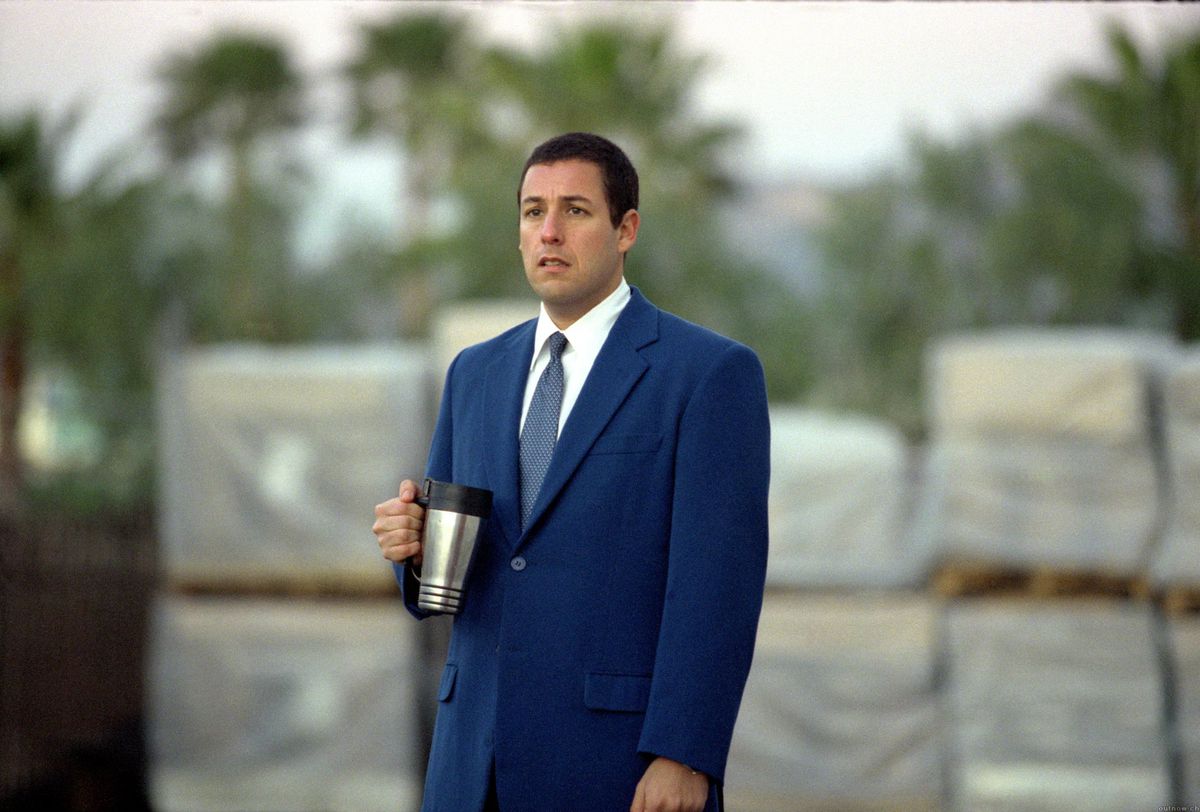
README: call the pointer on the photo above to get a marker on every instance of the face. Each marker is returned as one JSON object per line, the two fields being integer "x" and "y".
{"x": 573, "y": 256}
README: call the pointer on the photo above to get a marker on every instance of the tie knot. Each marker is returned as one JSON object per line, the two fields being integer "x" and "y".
{"x": 558, "y": 343}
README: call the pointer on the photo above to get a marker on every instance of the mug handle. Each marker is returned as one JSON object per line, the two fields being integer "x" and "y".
{"x": 423, "y": 497}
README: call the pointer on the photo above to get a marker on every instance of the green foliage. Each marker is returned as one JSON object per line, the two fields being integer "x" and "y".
{"x": 229, "y": 92}
{"x": 1050, "y": 219}
{"x": 411, "y": 81}
{"x": 227, "y": 99}
{"x": 81, "y": 299}
{"x": 93, "y": 275}
{"x": 29, "y": 156}
{"x": 1025, "y": 226}
{"x": 1066, "y": 242}
{"x": 1146, "y": 118}
{"x": 1087, "y": 214}
{"x": 466, "y": 127}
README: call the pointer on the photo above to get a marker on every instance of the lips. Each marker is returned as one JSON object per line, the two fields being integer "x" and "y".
{"x": 552, "y": 262}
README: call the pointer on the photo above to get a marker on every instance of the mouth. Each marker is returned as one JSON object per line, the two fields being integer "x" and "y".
{"x": 553, "y": 262}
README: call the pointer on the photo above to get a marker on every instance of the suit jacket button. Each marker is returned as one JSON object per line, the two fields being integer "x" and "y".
{"x": 517, "y": 563}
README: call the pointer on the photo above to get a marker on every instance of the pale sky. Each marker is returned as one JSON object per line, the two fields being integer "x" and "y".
{"x": 827, "y": 91}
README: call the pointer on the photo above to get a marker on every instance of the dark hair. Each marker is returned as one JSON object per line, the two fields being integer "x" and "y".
{"x": 620, "y": 178}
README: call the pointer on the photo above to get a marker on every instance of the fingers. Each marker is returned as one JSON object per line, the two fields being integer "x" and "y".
{"x": 399, "y": 537}
{"x": 639, "y": 797}
{"x": 398, "y": 523}
{"x": 668, "y": 786}
{"x": 396, "y": 506}
{"x": 401, "y": 526}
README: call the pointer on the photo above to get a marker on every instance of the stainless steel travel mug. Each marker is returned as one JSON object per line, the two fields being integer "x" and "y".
{"x": 454, "y": 519}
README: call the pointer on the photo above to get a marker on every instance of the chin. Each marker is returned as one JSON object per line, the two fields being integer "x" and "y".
{"x": 553, "y": 290}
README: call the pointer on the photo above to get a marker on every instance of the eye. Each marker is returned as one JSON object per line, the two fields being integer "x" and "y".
{"x": 533, "y": 212}
{"x": 576, "y": 210}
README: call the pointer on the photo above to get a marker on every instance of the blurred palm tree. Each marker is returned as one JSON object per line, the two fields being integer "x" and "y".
{"x": 1148, "y": 115}
{"x": 79, "y": 288}
{"x": 633, "y": 84}
{"x": 1026, "y": 225}
{"x": 230, "y": 98}
{"x": 464, "y": 117}
{"x": 636, "y": 86}
{"x": 415, "y": 81}
{"x": 1063, "y": 245}
{"x": 1088, "y": 217}
{"x": 30, "y": 154}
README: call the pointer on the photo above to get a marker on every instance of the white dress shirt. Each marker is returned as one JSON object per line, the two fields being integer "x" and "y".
{"x": 584, "y": 339}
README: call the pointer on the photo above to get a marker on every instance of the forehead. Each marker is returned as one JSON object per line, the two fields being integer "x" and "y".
{"x": 570, "y": 178}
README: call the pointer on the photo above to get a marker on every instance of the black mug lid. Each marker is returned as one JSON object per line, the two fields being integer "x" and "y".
{"x": 457, "y": 498}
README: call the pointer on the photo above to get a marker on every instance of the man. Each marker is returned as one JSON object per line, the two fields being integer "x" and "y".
{"x": 609, "y": 617}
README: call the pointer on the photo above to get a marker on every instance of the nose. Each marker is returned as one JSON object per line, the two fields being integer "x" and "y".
{"x": 551, "y": 231}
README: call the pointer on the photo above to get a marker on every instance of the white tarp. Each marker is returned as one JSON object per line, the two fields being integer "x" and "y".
{"x": 1185, "y": 654}
{"x": 458, "y": 325}
{"x": 1054, "y": 706}
{"x": 1039, "y": 383}
{"x": 273, "y": 459}
{"x": 840, "y": 709}
{"x": 1041, "y": 449}
{"x": 1178, "y": 556}
{"x": 839, "y": 495}
{"x": 282, "y": 705}
{"x": 1050, "y": 502}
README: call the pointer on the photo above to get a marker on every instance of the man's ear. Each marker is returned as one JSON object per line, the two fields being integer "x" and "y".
{"x": 627, "y": 230}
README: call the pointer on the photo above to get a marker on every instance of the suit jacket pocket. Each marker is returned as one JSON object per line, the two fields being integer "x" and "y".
{"x": 616, "y": 692}
{"x": 449, "y": 677}
{"x": 627, "y": 444}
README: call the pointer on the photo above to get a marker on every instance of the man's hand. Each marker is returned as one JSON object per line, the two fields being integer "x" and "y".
{"x": 398, "y": 524}
{"x": 668, "y": 786}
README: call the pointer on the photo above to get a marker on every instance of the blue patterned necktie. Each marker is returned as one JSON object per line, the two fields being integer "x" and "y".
{"x": 540, "y": 432}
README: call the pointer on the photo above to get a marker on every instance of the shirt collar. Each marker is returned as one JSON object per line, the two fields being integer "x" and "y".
{"x": 589, "y": 331}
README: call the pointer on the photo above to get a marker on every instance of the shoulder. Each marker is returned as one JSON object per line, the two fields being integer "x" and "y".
{"x": 684, "y": 344}
{"x": 689, "y": 360}
{"x": 678, "y": 332}
{"x": 665, "y": 333}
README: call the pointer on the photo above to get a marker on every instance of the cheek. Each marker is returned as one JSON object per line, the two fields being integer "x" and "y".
{"x": 591, "y": 246}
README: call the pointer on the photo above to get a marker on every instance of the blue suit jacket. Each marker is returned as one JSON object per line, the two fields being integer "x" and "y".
{"x": 620, "y": 624}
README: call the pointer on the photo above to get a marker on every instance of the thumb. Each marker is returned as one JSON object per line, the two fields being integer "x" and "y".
{"x": 408, "y": 491}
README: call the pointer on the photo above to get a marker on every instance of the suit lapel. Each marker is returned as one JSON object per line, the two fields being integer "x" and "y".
{"x": 503, "y": 390}
{"x": 617, "y": 368}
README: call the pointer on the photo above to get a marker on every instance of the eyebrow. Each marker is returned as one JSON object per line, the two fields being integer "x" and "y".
{"x": 564, "y": 198}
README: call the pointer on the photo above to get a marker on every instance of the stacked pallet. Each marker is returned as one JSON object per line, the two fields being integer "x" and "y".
{"x": 1054, "y": 705}
{"x": 841, "y": 708}
{"x": 838, "y": 504}
{"x": 1045, "y": 499}
{"x": 271, "y": 459}
{"x": 1042, "y": 451}
{"x": 1184, "y": 637}
{"x": 1176, "y": 565}
{"x": 266, "y": 704}
{"x": 283, "y": 669}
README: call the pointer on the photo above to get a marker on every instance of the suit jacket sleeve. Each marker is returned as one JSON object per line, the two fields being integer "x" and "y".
{"x": 439, "y": 466}
{"x": 716, "y": 566}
